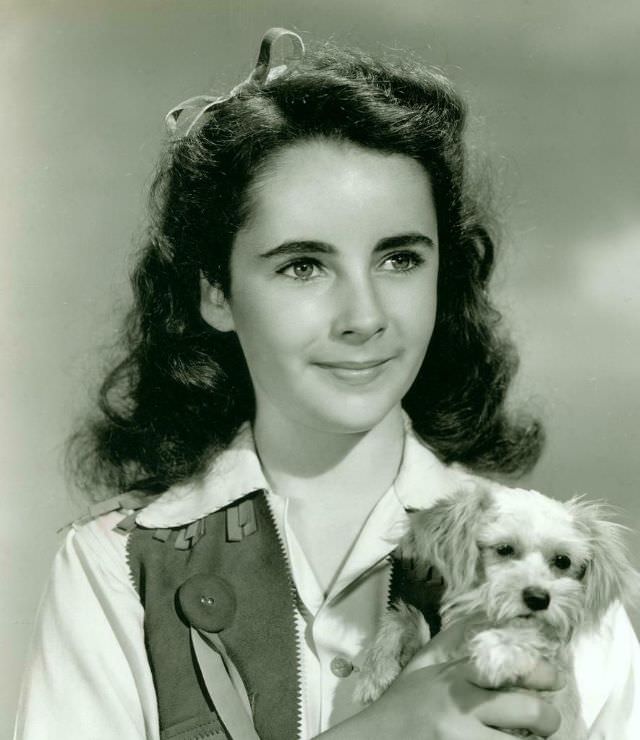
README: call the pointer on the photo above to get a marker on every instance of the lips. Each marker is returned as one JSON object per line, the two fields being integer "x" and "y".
{"x": 363, "y": 365}
{"x": 355, "y": 373}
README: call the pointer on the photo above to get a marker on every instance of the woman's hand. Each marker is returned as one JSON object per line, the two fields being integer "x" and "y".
{"x": 440, "y": 699}
{"x": 444, "y": 702}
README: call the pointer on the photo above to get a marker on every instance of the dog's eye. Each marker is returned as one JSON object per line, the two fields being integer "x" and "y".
{"x": 562, "y": 562}
{"x": 505, "y": 551}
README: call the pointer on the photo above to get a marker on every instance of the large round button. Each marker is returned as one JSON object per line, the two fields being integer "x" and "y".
{"x": 207, "y": 602}
{"x": 341, "y": 667}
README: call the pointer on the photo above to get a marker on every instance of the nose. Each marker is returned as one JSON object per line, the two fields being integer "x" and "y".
{"x": 359, "y": 310}
{"x": 537, "y": 599}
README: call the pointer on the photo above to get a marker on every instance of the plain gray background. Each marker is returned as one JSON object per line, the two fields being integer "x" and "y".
{"x": 554, "y": 93}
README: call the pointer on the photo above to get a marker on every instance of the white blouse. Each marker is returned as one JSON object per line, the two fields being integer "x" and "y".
{"x": 88, "y": 675}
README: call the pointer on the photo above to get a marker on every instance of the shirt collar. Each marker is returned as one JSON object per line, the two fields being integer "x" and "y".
{"x": 421, "y": 480}
{"x": 234, "y": 473}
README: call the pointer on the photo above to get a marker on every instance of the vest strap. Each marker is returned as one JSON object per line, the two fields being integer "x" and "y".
{"x": 224, "y": 683}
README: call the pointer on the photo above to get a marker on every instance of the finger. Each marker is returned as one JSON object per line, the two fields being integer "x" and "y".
{"x": 456, "y": 633}
{"x": 482, "y": 732}
{"x": 443, "y": 647}
{"x": 519, "y": 710}
{"x": 425, "y": 659}
{"x": 544, "y": 677}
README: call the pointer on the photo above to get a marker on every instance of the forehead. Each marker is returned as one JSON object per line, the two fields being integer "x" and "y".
{"x": 528, "y": 516}
{"x": 328, "y": 188}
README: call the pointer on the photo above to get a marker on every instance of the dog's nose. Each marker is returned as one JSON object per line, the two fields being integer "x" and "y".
{"x": 536, "y": 599}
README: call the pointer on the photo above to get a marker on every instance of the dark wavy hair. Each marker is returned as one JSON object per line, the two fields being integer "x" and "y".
{"x": 182, "y": 389}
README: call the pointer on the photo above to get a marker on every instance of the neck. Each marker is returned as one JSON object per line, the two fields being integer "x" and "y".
{"x": 300, "y": 462}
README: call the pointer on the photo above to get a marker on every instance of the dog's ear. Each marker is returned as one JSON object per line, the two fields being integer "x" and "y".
{"x": 608, "y": 575}
{"x": 445, "y": 535}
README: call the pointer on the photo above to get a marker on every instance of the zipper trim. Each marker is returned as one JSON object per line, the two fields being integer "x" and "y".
{"x": 392, "y": 572}
{"x": 296, "y": 622}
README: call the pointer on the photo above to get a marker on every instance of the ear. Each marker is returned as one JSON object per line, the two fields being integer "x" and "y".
{"x": 446, "y": 536}
{"x": 608, "y": 575}
{"x": 214, "y": 306}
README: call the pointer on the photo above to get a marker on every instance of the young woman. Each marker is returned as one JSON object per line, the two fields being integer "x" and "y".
{"x": 311, "y": 348}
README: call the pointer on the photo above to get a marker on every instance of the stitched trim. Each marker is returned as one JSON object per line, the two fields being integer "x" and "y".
{"x": 197, "y": 728}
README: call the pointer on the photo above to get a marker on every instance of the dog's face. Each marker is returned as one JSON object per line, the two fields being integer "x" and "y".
{"x": 513, "y": 555}
{"x": 532, "y": 560}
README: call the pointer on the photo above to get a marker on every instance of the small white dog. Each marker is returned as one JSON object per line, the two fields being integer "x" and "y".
{"x": 534, "y": 571}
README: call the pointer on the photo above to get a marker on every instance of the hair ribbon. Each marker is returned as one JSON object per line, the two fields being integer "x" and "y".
{"x": 183, "y": 118}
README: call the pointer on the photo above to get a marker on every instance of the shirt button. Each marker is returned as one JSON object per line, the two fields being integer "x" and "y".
{"x": 341, "y": 667}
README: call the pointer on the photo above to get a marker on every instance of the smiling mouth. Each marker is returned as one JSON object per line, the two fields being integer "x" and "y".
{"x": 353, "y": 365}
{"x": 355, "y": 373}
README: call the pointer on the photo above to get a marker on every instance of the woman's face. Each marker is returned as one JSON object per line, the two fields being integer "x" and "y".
{"x": 333, "y": 284}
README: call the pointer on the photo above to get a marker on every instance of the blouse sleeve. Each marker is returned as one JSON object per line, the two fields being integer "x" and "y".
{"x": 608, "y": 674}
{"x": 87, "y": 675}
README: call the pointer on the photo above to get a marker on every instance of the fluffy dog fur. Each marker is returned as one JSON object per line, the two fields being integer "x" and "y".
{"x": 533, "y": 570}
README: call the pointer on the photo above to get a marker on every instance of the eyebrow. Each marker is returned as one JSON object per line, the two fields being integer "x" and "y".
{"x": 292, "y": 248}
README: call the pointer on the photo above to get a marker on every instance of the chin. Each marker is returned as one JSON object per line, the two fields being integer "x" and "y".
{"x": 355, "y": 418}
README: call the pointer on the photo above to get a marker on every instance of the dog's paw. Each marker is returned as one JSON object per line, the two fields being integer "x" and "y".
{"x": 375, "y": 678}
{"x": 501, "y": 657}
{"x": 402, "y": 632}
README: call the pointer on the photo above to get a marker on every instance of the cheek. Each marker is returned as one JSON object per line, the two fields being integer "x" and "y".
{"x": 417, "y": 315}
{"x": 272, "y": 327}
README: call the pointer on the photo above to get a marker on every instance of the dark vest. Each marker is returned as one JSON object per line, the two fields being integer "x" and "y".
{"x": 229, "y": 574}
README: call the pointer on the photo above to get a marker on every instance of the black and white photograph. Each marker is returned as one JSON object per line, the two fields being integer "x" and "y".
{"x": 320, "y": 348}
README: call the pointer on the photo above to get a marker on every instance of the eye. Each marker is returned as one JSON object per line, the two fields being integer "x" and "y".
{"x": 562, "y": 562}
{"x": 404, "y": 261}
{"x": 301, "y": 269}
{"x": 505, "y": 551}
